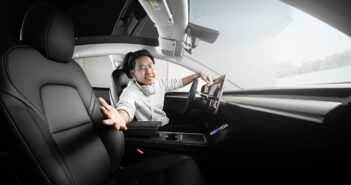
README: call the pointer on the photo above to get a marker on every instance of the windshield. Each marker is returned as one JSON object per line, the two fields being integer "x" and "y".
{"x": 266, "y": 44}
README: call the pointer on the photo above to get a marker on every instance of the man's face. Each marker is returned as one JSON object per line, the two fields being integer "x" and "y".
{"x": 144, "y": 70}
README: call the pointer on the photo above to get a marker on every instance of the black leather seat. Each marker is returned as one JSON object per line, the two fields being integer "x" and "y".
{"x": 120, "y": 80}
{"x": 52, "y": 117}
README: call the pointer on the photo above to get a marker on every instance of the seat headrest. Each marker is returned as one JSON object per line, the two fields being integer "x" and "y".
{"x": 49, "y": 30}
{"x": 120, "y": 79}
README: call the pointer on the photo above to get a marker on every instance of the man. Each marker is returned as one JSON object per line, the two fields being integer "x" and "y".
{"x": 143, "y": 98}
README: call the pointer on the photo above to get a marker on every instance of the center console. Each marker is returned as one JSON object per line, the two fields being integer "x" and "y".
{"x": 174, "y": 141}
{"x": 181, "y": 138}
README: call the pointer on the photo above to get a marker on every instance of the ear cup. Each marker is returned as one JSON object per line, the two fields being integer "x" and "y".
{"x": 148, "y": 89}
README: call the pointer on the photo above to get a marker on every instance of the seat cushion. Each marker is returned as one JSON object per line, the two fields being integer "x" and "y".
{"x": 162, "y": 170}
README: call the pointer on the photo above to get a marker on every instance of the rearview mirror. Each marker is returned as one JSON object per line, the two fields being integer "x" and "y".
{"x": 198, "y": 32}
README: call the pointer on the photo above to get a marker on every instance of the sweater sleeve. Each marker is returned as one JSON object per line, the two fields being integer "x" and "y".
{"x": 127, "y": 103}
{"x": 172, "y": 84}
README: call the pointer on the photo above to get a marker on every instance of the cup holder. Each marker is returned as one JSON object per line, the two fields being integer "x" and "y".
{"x": 180, "y": 137}
{"x": 171, "y": 137}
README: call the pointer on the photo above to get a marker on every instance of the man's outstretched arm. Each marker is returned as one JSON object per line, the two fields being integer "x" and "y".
{"x": 117, "y": 118}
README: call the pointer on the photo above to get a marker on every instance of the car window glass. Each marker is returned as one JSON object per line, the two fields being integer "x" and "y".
{"x": 265, "y": 44}
{"x": 98, "y": 69}
{"x": 168, "y": 70}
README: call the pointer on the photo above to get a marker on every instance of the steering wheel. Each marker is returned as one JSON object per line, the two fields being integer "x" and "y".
{"x": 191, "y": 96}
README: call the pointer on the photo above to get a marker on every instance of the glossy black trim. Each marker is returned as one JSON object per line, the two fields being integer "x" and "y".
{"x": 322, "y": 92}
{"x": 116, "y": 39}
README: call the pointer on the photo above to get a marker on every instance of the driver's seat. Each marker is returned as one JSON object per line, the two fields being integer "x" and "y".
{"x": 51, "y": 121}
{"x": 120, "y": 80}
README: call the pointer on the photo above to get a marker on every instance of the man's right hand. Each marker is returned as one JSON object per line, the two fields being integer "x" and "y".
{"x": 112, "y": 116}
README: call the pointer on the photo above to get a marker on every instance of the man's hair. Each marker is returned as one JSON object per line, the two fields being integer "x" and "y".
{"x": 125, "y": 64}
{"x": 137, "y": 54}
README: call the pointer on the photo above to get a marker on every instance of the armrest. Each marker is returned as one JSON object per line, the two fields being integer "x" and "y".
{"x": 142, "y": 128}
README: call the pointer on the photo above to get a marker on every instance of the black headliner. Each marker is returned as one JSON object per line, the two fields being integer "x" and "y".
{"x": 91, "y": 17}
{"x": 98, "y": 17}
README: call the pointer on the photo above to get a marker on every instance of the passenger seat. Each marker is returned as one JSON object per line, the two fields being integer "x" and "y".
{"x": 53, "y": 117}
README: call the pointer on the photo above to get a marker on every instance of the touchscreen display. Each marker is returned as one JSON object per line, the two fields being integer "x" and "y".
{"x": 215, "y": 93}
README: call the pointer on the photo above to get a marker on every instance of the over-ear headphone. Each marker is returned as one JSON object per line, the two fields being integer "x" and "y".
{"x": 148, "y": 89}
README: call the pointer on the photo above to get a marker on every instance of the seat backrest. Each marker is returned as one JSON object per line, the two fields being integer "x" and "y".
{"x": 49, "y": 107}
{"x": 120, "y": 79}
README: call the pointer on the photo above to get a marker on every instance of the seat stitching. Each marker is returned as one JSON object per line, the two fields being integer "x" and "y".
{"x": 47, "y": 32}
{"x": 73, "y": 127}
{"x": 24, "y": 99}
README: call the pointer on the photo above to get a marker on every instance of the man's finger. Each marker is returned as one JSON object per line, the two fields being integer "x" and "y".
{"x": 104, "y": 111}
{"x": 103, "y": 102}
{"x": 108, "y": 122}
{"x": 123, "y": 127}
{"x": 120, "y": 127}
{"x": 109, "y": 107}
{"x": 210, "y": 78}
{"x": 117, "y": 126}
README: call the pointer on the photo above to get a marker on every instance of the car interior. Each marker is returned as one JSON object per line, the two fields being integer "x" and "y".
{"x": 51, "y": 129}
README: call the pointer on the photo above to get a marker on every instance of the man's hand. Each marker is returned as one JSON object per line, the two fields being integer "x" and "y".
{"x": 112, "y": 116}
{"x": 205, "y": 77}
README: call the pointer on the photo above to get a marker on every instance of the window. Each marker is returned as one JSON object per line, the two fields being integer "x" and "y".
{"x": 99, "y": 69}
{"x": 170, "y": 70}
{"x": 265, "y": 44}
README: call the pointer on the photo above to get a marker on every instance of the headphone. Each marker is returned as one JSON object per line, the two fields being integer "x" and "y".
{"x": 148, "y": 89}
